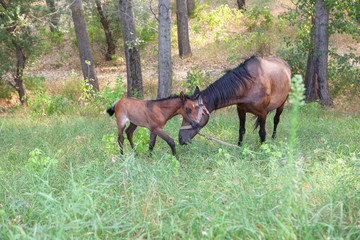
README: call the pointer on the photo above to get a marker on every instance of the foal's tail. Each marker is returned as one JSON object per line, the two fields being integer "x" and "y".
{"x": 111, "y": 110}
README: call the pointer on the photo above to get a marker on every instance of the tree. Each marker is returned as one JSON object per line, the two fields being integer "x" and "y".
{"x": 54, "y": 15}
{"x": 241, "y": 4}
{"x": 82, "y": 37}
{"x": 321, "y": 53}
{"x": 164, "y": 81}
{"x": 323, "y": 18}
{"x": 310, "y": 81}
{"x": 108, "y": 35}
{"x": 131, "y": 48}
{"x": 182, "y": 29}
{"x": 18, "y": 41}
{"x": 190, "y": 7}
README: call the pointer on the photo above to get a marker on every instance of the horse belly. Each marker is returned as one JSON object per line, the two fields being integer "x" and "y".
{"x": 139, "y": 118}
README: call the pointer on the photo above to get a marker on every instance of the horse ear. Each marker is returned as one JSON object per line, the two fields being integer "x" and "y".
{"x": 196, "y": 92}
{"x": 182, "y": 96}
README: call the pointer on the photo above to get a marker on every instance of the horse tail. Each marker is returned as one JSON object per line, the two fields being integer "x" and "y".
{"x": 257, "y": 123}
{"x": 111, "y": 110}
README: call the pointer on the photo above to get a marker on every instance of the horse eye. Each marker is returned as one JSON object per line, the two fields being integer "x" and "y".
{"x": 188, "y": 110}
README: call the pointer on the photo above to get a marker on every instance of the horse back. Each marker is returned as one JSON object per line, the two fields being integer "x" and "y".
{"x": 279, "y": 74}
{"x": 133, "y": 110}
{"x": 271, "y": 84}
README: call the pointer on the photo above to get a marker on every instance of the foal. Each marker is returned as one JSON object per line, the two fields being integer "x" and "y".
{"x": 152, "y": 114}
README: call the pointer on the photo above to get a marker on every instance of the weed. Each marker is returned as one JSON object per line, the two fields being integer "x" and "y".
{"x": 41, "y": 102}
{"x": 173, "y": 165}
{"x": 38, "y": 161}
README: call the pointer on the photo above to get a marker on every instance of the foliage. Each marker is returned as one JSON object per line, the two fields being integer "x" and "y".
{"x": 41, "y": 102}
{"x": 257, "y": 40}
{"x": 5, "y": 90}
{"x": 216, "y": 19}
{"x": 19, "y": 32}
{"x": 344, "y": 75}
{"x": 195, "y": 77}
{"x": 95, "y": 102}
{"x": 75, "y": 93}
{"x": 145, "y": 24}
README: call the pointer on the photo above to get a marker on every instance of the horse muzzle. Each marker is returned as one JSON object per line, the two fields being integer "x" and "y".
{"x": 183, "y": 141}
{"x": 195, "y": 125}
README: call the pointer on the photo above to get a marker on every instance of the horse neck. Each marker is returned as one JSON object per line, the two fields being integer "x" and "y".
{"x": 170, "y": 107}
{"x": 211, "y": 107}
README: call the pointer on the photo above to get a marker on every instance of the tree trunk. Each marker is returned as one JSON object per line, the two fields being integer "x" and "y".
{"x": 164, "y": 82}
{"x": 182, "y": 28}
{"x": 54, "y": 16}
{"x": 241, "y": 4}
{"x": 82, "y": 37}
{"x": 131, "y": 48}
{"x": 190, "y": 7}
{"x": 321, "y": 52}
{"x": 109, "y": 40}
{"x": 20, "y": 66}
{"x": 310, "y": 81}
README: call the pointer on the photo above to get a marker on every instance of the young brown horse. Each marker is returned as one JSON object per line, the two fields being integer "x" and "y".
{"x": 152, "y": 114}
{"x": 259, "y": 85}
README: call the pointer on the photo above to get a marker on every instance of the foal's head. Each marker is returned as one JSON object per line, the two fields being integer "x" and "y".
{"x": 187, "y": 110}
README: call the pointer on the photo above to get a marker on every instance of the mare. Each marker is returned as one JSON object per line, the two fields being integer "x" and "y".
{"x": 152, "y": 114}
{"x": 258, "y": 85}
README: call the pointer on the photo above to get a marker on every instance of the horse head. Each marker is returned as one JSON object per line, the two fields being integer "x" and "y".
{"x": 187, "y": 130}
{"x": 188, "y": 111}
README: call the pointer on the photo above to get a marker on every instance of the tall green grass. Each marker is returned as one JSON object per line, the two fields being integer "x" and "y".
{"x": 62, "y": 177}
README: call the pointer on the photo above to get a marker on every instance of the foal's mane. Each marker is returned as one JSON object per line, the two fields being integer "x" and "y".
{"x": 170, "y": 97}
{"x": 225, "y": 87}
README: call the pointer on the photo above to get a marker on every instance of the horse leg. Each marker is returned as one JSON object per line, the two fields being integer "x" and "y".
{"x": 121, "y": 135}
{"x": 160, "y": 132}
{"x": 277, "y": 119}
{"x": 129, "y": 133}
{"x": 152, "y": 141}
{"x": 242, "y": 118}
{"x": 261, "y": 121}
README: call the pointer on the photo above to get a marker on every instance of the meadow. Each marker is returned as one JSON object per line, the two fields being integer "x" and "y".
{"x": 62, "y": 177}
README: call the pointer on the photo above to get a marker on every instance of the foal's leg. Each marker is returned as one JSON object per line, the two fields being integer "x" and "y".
{"x": 277, "y": 119}
{"x": 160, "y": 132}
{"x": 152, "y": 141}
{"x": 242, "y": 118}
{"x": 121, "y": 127}
{"x": 129, "y": 133}
{"x": 262, "y": 132}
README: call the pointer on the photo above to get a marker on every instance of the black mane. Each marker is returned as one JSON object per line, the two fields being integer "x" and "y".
{"x": 225, "y": 87}
{"x": 170, "y": 97}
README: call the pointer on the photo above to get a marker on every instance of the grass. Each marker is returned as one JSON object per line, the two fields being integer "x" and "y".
{"x": 62, "y": 177}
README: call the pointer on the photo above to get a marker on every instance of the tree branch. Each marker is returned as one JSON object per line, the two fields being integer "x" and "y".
{"x": 12, "y": 85}
{"x": 152, "y": 11}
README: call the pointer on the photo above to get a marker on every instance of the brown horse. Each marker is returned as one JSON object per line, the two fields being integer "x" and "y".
{"x": 152, "y": 114}
{"x": 258, "y": 85}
